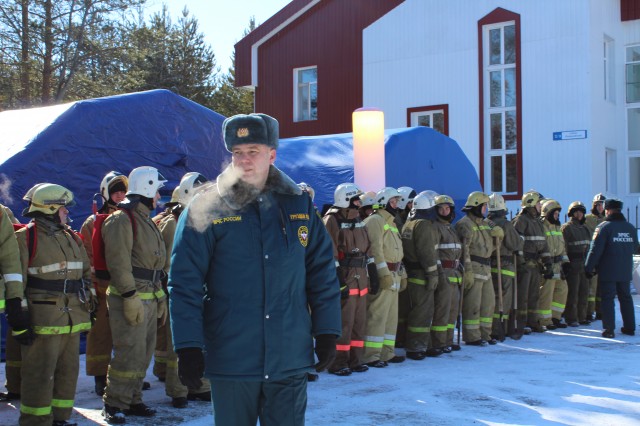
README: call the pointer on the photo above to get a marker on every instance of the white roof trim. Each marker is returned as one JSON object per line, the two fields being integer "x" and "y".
{"x": 257, "y": 44}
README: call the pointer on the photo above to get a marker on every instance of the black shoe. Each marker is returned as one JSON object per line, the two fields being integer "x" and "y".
{"x": 162, "y": 379}
{"x": 558, "y": 323}
{"x": 113, "y": 415}
{"x": 146, "y": 385}
{"x": 140, "y": 410}
{"x": 516, "y": 335}
{"x": 9, "y": 396}
{"x": 477, "y": 343}
{"x": 377, "y": 364}
{"x": 455, "y": 347}
{"x": 417, "y": 356}
{"x": 526, "y": 331}
{"x": 609, "y": 334}
{"x": 551, "y": 326}
{"x": 179, "y": 402}
{"x": 627, "y": 331}
{"x": 492, "y": 341}
{"x": 598, "y": 316}
{"x": 63, "y": 423}
{"x": 585, "y": 322}
{"x": 397, "y": 359}
{"x": 346, "y": 371}
{"x": 539, "y": 328}
{"x": 447, "y": 349}
{"x": 101, "y": 384}
{"x": 574, "y": 324}
{"x": 311, "y": 377}
{"x": 360, "y": 368}
{"x": 434, "y": 352}
{"x": 202, "y": 396}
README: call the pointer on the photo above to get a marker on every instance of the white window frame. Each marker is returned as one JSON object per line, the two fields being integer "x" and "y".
{"x": 417, "y": 114}
{"x": 296, "y": 101}
{"x": 611, "y": 170}
{"x": 488, "y": 110}
{"x": 630, "y": 153}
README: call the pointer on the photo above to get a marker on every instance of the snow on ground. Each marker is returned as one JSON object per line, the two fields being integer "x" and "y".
{"x": 571, "y": 376}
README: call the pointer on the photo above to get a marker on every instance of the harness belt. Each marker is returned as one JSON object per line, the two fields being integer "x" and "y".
{"x": 481, "y": 260}
{"x": 354, "y": 262}
{"x": 450, "y": 264}
{"x": 153, "y": 275}
{"x": 62, "y": 286}
{"x": 394, "y": 267}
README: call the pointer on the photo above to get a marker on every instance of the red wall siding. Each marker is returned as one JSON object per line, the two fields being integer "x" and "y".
{"x": 328, "y": 36}
{"x": 629, "y": 10}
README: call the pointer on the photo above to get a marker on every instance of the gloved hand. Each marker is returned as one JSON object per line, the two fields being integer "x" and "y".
{"x": 133, "y": 309}
{"x": 548, "y": 271}
{"x": 19, "y": 321}
{"x": 566, "y": 268}
{"x": 374, "y": 281}
{"x": 190, "y": 367}
{"x": 386, "y": 282}
{"x": 344, "y": 292}
{"x": 93, "y": 317}
{"x": 468, "y": 279}
{"x": 403, "y": 284}
{"x": 590, "y": 274}
{"x": 432, "y": 282}
{"x": 497, "y": 232}
{"x": 325, "y": 350}
{"x": 162, "y": 311}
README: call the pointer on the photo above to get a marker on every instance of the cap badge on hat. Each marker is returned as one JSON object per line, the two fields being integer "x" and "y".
{"x": 243, "y": 132}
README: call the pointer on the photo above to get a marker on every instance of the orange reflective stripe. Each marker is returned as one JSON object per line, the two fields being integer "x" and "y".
{"x": 357, "y": 343}
{"x": 364, "y": 292}
{"x": 353, "y": 292}
{"x": 345, "y": 348}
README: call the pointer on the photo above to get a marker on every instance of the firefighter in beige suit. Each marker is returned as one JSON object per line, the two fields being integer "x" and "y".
{"x": 99, "y": 343}
{"x": 554, "y": 290}
{"x": 477, "y": 234}
{"x": 136, "y": 256}
{"x": 11, "y": 291}
{"x": 166, "y": 222}
{"x": 382, "y": 308}
{"x": 593, "y": 219}
{"x": 59, "y": 299}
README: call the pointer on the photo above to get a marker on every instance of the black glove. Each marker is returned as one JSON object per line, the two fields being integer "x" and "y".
{"x": 548, "y": 271}
{"x": 344, "y": 292}
{"x": 374, "y": 282}
{"x": 590, "y": 274}
{"x": 19, "y": 321}
{"x": 566, "y": 268}
{"x": 190, "y": 367}
{"x": 344, "y": 288}
{"x": 325, "y": 350}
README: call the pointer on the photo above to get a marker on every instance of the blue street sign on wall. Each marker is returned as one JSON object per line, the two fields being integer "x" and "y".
{"x": 569, "y": 134}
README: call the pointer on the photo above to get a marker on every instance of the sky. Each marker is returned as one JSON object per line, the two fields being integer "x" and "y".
{"x": 221, "y": 21}
{"x": 569, "y": 376}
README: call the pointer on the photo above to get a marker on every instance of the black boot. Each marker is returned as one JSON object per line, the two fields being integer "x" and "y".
{"x": 179, "y": 402}
{"x": 101, "y": 384}
{"x": 113, "y": 415}
{"x": 140, "y": 410}
{"x": 9, "y": 396}
{"x": 202, "y": 396}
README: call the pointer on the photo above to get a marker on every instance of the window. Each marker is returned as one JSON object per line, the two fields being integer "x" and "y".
{"x": 632, "y": 84}
{"x": 500, "y": 109}
{"x": 305, "y": 102}
{"x": 435, "y": 116}
{"x": 632, "y": 69}
{"x": 611, "y": 171}
{"x": 609, "y": 69}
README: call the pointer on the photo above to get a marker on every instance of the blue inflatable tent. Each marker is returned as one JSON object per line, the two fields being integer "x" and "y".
{"x": 418, "y": 157}
{"x": 76, "y": 144}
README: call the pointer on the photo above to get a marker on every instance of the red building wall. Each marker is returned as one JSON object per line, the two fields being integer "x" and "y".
{"x": 328, "y": 36}
{"x": 629, "y": 10}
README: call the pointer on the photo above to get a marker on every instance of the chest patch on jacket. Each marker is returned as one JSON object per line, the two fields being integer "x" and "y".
{"x": 303, "y": 235}
{"x": 227, "y": 219}
{"x": 298, "y": 216}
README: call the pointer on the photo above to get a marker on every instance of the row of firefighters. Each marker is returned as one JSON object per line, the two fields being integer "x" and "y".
{"x": 407, "y": 277}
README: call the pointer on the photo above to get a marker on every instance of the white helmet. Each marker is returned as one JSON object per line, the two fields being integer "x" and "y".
{"x": 110, "y": 179}
{"x": 145, "y": 181}
{"x": 424, "y": 200}
{"x": 367, "y": 199}
{"x": 188, "y": 185}
{"x": 385, "y": 194}
{"x": 305, "y": 187}
{"x": 407, "y": 194}
{"x": 344, "y": 193}
{"x": 496, "y": 203}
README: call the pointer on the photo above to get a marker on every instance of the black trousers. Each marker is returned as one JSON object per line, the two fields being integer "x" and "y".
{"x": 275, "y": 403}
{"x": 608, "y": 290}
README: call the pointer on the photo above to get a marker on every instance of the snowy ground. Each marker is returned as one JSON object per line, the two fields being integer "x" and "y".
{"x": 572, "y": 377}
